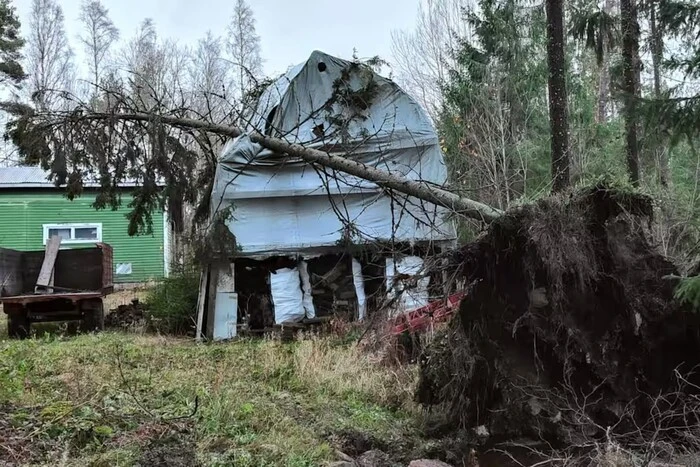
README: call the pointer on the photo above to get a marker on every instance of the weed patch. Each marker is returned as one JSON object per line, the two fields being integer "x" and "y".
{"x": 126, "y": 399}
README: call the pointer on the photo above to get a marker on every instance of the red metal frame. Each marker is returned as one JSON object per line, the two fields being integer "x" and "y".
{"x": 420, "y": 318}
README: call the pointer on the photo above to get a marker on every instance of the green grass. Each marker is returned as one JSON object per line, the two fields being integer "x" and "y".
{"x": 111, "y": 399}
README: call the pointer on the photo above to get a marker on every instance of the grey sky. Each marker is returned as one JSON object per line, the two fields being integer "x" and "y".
{"x": 289, "y": 29}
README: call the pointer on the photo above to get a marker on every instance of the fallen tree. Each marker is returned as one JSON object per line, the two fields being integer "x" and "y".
{"x": 569, "y": 332}
{"x": 419, "y": 189}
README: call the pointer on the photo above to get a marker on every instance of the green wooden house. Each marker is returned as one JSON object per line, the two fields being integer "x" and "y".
{"x": 32, "y": 209}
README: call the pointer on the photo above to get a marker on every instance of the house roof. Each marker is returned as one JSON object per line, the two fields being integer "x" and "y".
{"x": 36, "y": 177}
{"x": 26, "y": 177}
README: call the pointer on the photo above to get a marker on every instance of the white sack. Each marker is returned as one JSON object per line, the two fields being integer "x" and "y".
{"x": 359, "y": 281}
{"x": 287, "y": 296}
{"x": 307, "y": 300}
{"x": 409, "y": 297}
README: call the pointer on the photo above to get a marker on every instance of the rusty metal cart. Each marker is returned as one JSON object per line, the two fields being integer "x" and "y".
{"x": 55, "y": 285}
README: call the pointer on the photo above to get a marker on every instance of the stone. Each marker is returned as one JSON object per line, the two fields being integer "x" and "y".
{"x": 374, "y": 458}
{"x": 428, "y": 463}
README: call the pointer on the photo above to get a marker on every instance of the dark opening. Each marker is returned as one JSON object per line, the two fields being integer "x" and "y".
{"x": 322, "y": 67}
{"x": 332, "y": 286}
{"x": 255, "y": 309}
{"x": 268, "y": 121}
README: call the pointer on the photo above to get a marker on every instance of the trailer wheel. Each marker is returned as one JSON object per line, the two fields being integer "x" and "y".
{"x": 17, "y": 321}
{"x": 93, "y": 315}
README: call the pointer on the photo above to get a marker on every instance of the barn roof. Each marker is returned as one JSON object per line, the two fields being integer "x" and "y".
{"x": 282, "y": 204}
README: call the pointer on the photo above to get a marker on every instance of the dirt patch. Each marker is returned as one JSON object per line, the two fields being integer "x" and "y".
{"x": 569, "y": 331}
{"x": 354, "y": 443}
{"x": 169, "y": 452}
{"x": 127, "y": 316}
{"x": 19, "y": 440}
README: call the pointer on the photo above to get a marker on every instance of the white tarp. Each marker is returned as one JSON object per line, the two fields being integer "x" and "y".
{"x": 359, "y": 282}
{"x": 287, "y": 296}
{"x": 283, "y": 205}
{"x": 408, "y": 297}
{"x": 307, "y": 301}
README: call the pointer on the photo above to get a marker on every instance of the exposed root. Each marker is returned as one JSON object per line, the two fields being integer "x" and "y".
{"x": 569, "y": 332}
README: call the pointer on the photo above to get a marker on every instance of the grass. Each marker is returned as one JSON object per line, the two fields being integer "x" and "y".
{"x": 121, "y": 399}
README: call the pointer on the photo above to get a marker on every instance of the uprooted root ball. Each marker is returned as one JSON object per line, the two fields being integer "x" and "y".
{"x": 569, "y": 329}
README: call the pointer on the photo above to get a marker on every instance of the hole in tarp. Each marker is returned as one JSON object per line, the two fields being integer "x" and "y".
{"x": 322, "y": 67}
{"x": 268, "y": 120}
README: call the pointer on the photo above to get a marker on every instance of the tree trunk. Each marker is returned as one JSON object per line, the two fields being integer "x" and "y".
{"x": 604, "y": 73}
{"x": 558, "y": 113}
{"x": 419, "y": 189}
{"x": 657, "y": 47}
{"x": 630, "y": 62}
{"x": 603, "y": 89}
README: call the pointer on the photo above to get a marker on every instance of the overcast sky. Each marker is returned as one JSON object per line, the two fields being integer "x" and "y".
{"x": 289, "y": 29}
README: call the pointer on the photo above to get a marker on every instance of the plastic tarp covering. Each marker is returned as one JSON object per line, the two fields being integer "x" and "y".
{"x": 307, "y": 301}
{"x": 284, "y": 205}
{"x": 287, "y": 296}
{"x": 359, "y": 282}
{"x": 409, "y": 297}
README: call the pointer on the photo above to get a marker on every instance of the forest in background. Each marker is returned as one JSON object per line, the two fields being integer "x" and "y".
{"x": 479, "y": 67}
{"x": 481, "y": 70}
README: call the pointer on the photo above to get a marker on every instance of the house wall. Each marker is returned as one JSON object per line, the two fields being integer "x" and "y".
{"x": 23, "y": 214}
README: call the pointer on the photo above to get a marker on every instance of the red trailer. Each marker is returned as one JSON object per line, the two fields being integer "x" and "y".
{"x": 68, "y": 286}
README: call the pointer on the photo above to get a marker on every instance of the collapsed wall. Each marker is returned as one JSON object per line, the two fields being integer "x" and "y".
{"x": 569, "y": 328}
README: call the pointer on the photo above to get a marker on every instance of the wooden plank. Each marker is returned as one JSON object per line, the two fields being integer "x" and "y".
{"x": 201, "y": 299}
{"x": 46, "y": 273}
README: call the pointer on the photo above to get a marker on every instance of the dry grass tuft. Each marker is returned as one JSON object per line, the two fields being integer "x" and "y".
{"x": 349, "y": 369}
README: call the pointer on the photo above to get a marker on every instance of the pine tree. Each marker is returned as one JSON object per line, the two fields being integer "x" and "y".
{"x": 10, "y": 45}
{"x": 630, "y": 59}
{"x": 558, "y": 108}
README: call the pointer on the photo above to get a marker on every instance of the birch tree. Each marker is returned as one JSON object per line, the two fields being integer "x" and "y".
{"x": 49, "y": 55}
{"x": 243, "y": 45}
{"x": 99, "y": 34}
{"x": 210, "y": 79}
{"x": 424, "y": 56}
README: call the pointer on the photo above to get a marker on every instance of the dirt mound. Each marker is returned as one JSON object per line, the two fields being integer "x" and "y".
{"x": 126, "y": 316}
{"x": 569, "y": 330}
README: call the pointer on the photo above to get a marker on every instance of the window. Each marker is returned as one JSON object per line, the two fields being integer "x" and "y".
{"x": 74, "y": 233}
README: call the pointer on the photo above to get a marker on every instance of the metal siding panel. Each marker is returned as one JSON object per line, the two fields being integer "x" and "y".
{"x": 23, "y": 214}
{"x": 12, "y": 223}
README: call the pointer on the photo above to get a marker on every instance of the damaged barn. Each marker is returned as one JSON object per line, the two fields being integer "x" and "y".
{"x": 313, "y": 242}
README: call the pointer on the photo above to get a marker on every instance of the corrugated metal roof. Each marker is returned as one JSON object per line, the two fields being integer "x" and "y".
{"x": 35, "y": 177}
{"x": 29, "y": 177}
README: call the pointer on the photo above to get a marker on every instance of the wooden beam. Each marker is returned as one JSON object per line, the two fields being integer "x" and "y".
{"x": 45, "y": 279}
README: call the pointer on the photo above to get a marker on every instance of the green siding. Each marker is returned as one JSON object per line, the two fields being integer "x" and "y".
{"x": 22, "y": 215}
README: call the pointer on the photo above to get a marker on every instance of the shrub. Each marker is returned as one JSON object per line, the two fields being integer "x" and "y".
{"x": 688, "y": 292}
{"x": 172, "y": 303}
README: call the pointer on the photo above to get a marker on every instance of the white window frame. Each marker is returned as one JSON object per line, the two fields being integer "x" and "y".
{"x": 72, "y": 228}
